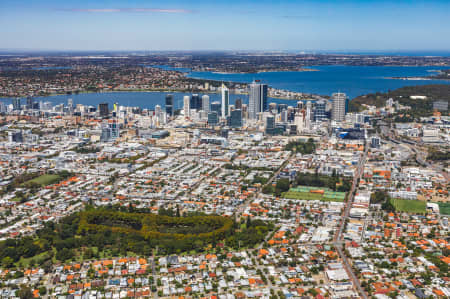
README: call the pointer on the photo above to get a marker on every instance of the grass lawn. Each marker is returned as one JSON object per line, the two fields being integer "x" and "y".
{"x": 25, "y": 262}
{"x": 444, "y": 208}
{"x": 308, "y": 196}
{"x": 409, "y": 206}
{"x": 44, "y": 180}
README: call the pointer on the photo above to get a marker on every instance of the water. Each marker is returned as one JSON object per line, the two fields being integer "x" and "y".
{"x": 134, "y": 99}
{"x": 353, "y": 80}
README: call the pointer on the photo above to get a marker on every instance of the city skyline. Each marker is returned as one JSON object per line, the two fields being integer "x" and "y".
{"x": 237, "y": 25}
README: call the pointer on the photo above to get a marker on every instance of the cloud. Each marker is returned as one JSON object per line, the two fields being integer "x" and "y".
{"x": 118, "y": 10}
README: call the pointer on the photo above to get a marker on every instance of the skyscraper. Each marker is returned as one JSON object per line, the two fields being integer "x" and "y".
{"x": 213, "y": 118}
{"x": 103, "y": 109}
{"x": 205, "y": 103}
{"x": 319, "y": 110}
{"x": 238, "y": 104}
{"x": 299, "y": 120}
{"x": 257, "y": 99}
{"x": 158, "y": 110}
{"x": 235, "y": 118}
{"x": 282, "y": 107}
{"x": 338, "y": 110}
{"x": 169, "y": 104}
{"x": 30, "y": 103}
{"x": 186, "y": 106}
{"x": 196, "y": 102}
{"x": 215, "y": 106}
{"x": 225, "y": 101}
{"x": 270, "y": 124}
{"x": 70, "y": 106}
{"x": 16, "y": 104}
{"x": 308, "y": 116}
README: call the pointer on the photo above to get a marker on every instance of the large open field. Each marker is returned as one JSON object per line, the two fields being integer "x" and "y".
{"x": 444, "y": 208}
{"x": 409, "y": 206}
{"x": 44, "y": 180}
{"x": 314, "y": 193}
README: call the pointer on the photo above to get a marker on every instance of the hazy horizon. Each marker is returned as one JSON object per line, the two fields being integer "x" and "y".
{"x": 5, "y": 51}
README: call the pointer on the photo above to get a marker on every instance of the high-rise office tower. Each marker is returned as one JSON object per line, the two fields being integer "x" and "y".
{"x": 70, "y": 106}
{"x": 30, "y": 102}
{"x": 284, "y": 115}
{"x": 270, "y": 124}
{"x": 46, "y": 106}
{"x": 186, "y": 106}
{"x": 257, "y": 99}
{"x": 308, "y": 116}
{"x": 213, "y": 118}
{"x": 196, "y": 102}
{"x": 235, "y": 118}
{"x": 225, "y": 101}
{"x": 169, "y": 104}
{"x": 299, "y": 121}
{"x": 103, "y": 109}
{"x": 238, "y": 104}
{"x": 16, "y": 104}
{"x": 320, "y": 110}
{"x": 114, "y": 129}
{"x": 338, "y": 110}
{"x": 70, "y": 103}
{"x": 282, "y": 107}
{"x": 158, "y": 110}
{"x": 215, "y": 106}
{"x": 160, "y": 118}
{"x": 205, "y": 103}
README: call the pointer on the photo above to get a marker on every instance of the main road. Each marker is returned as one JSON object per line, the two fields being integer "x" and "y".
{"x": 338, "y": 239}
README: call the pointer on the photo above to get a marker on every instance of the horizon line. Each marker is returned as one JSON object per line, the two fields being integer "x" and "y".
{"x": 216, "y": 50}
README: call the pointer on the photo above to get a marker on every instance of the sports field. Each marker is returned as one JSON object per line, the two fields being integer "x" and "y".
{"x": 444, "y": 208}
{"x": 45, "y": 179}
{"x": 409, "y": 206}
{"x": 314, "y": 193}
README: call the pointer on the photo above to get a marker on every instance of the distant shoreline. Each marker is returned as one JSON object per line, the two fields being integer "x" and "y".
{"x": 143, "y": 91}
{"x": 266, "y": 71}
{"x": 426, "y": 78}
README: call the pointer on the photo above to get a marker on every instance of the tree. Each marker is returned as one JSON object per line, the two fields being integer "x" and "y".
{"x": 268, "y": 189}
{"x": 378, "y": 197}
{"x": 64, "y": 254}
{"x": 7, "y": 262}
{"x": 282, "y": 186}
{"x": 25, "y": 292}
{"x": 249, "y": 222}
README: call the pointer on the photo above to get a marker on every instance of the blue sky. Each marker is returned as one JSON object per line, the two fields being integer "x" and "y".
{"x": 225, "y": 25}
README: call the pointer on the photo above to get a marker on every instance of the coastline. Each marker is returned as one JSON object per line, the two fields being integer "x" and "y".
{"x": 267, "y": 71}
{"x": 199, "y": 81}
{"x": 141, "y": 91}
{"x": 430, "y": 78}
